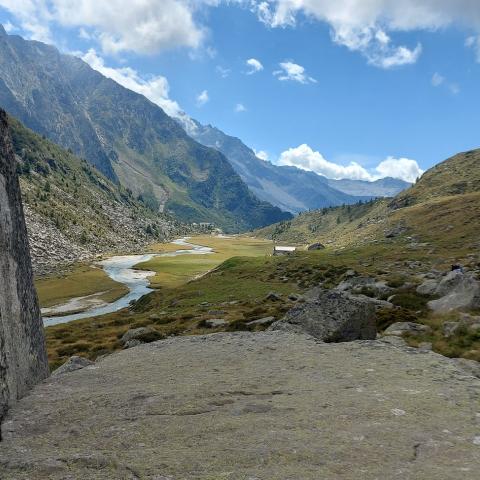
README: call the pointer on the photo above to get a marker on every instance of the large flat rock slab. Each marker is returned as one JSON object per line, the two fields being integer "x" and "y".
{"x": 245, "y": 406}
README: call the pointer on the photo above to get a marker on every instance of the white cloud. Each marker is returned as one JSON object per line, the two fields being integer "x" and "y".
{"x": 240, "y": 107}
{"x": 254, "y": 66}
{"x": 156, "y": 88}
{"x": 149, "y": 26}
{"x": 33, "y": 17}
{"x": 402, "y": 168}
{"x": 202, "y": 98}
{"x": 290, "y": 71}
{"x": 141, "y": 26}
{"x": 223, "y": 72}
{"x": 473, "y": 42}
{"x": 437, "y": 79}
{"x": 9, "y": 27}
{"x": 364, "y": 25}
{"x": 262, "y": 155}
{"x": 306, "y": 158}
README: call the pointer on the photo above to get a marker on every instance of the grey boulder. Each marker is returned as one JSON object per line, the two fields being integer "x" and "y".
{"x": 428, "y": 287}
{"x": 72, "y": 364}
{"x": 262, "y": 321}
{"x": 316, "y": 246}
{"x": 400, "y": 328}
{"x": 457, "y": 291}
{"x": 331, "y": 316}
{"x": 215, "y": 322}
{"x": 142, "y": 335}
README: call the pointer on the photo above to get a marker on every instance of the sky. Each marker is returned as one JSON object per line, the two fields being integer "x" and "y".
{"x": 358, "y": 89}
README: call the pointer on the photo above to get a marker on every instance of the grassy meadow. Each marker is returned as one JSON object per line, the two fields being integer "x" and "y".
{"x": 172, "y": 272}
{"x": 235, "y": 288}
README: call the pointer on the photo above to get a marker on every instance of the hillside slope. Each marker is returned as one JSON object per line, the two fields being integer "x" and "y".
{"x": 437, "y": 216}
{"x": 73, "y": 211}
{"x": 457, "y": 175}
{"x": 125, "y": 136}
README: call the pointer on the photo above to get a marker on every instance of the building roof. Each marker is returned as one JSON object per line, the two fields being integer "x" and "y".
{"x": 284, "y": 249}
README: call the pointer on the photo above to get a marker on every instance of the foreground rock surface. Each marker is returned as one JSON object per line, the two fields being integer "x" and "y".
{"x": 331, "y": 316}
{"x": 241, "y": 406}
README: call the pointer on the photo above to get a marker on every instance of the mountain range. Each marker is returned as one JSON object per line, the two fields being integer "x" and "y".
{"x": 128, "y": 138}
{"x": 198, "y": 174}
{"x": 290, "y": 188}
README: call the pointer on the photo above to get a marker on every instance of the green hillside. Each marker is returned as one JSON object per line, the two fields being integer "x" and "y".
{"x": 73, "y": 210}
{"x": 441, "y": 209}
{"x": 456, "y": 176}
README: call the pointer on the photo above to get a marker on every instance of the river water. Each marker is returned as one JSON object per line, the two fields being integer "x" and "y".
{"x": 120, "y": 269}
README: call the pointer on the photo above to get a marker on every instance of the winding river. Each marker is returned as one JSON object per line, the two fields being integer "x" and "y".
{"x": 121, "y": 269}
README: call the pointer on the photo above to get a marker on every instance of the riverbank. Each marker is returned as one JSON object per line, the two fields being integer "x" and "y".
{"x": 77, "y": 282}
{"x": 104, "y": 287}
{"x": 174, "y": 272}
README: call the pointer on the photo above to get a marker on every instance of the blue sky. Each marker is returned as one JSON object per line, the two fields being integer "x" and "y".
{"x": 378, "y": 83}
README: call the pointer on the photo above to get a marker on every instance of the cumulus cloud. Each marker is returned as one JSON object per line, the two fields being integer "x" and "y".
{"x": 290, "y": 71}
{"x": 146, "y": 26}
{"x": 149, "y": 26}
{"x": 254, "y": 66}
{"x": 306, "y": 158}
{"x": 240, "y": 107}
{"x": 262, "y": 155}
{"x": 155, "y": 88}
{"x": 402, "y": 168}
{"x": 364, "y": 26}
{"x": 202, "y": 98}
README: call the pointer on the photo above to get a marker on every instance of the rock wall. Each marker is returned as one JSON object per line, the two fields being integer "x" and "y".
{"x": 23, "y": 358}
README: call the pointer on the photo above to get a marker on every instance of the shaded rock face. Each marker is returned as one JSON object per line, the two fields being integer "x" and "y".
{"x": 331, "y": 316}
{"x": 23, "y": 359}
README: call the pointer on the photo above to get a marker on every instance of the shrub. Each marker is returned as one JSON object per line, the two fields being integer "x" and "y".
{"x": 411, "y": 301}
{"x": 73, "y": 349}
{"x": 388, "y": 316}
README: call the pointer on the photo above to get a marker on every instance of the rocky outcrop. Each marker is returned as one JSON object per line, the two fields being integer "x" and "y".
{"x": 458, "y": 291}
{"x": 244, "y": 406}
{"x": 23, "y": 359}
{"x": 316, "y": 246}
{"x": 73, "y": 364}
{"x": 331, "y": 316}
{"x": 400, "y": 328}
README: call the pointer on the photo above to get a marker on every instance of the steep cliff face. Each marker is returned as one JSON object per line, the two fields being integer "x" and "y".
{"x": 23, "y": 359}
{"x": 127, "y": 137}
